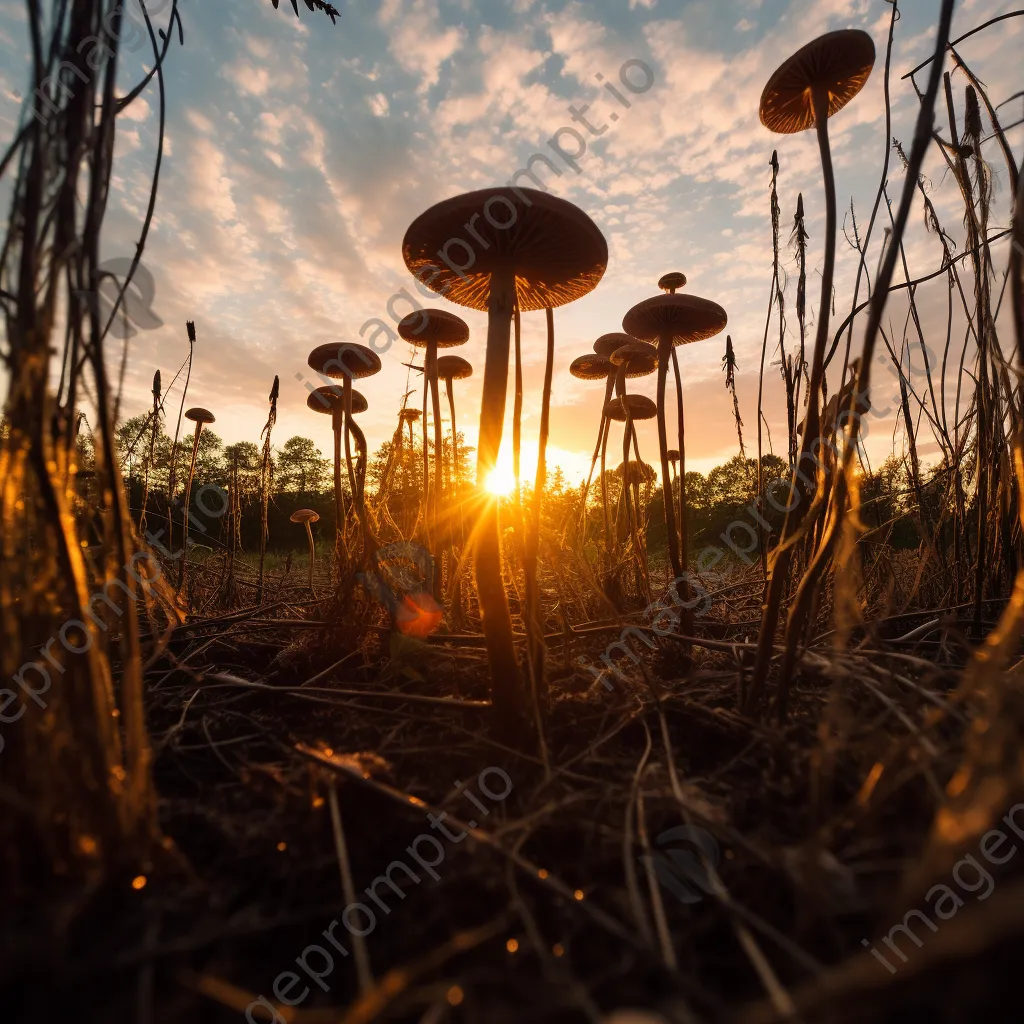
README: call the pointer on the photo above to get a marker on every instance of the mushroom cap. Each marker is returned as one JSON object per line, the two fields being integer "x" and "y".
{"x": 454, "y": 368}
{"x": 200, "y": 415}
{"x": 591, "y": 367}
{"x": 636, "y": 357}
{"x": 639, "y": 471}
{"x": 640, "y": 408}
{"x": 672, "y": 280}
{"x": 556, "y": 251}
{"x": 837, "y": 61}
{"x": 344, "y": 359}
{"x": 330, "y": 397}
{"x": 673, "y": 455}
{"x": 409, "y": 415}
{"x": 445, "y": 329}
{"x": 684, "y": 318}
{"x": 608, "y": 343}
{"x": 304, "y": 515}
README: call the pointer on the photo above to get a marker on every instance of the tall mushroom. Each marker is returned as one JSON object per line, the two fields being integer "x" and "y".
{"x": 671, "y": 320}
{"x": 347, "y": 362}
{"x": 199, "y": 417}
{"x": 433, "y": 329}
{"x": 804, "y": 92}
{"x": 527, "y": 250}
{"x": 307, "y": 517}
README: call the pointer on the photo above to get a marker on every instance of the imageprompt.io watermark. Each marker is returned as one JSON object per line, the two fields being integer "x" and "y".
{"x": 679, "y": 865}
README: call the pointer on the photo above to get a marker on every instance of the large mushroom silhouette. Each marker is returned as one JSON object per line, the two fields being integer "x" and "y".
{"x": 527, "y": 250}
{"x": 307, "y": 517}
{"x": 804, "y": 92}
{"x": 671, "y": 320}
{"x": 432, "y": 329}
{"x": 200, "y": 417}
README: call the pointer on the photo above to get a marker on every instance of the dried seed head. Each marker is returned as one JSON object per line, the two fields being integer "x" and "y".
{"x": 972, "y": 117}
{"x": 191, "y": 328}
{"x": 156, "y": 386}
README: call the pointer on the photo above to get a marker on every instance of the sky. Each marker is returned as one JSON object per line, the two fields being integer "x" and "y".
{"x": 297, "y": 153}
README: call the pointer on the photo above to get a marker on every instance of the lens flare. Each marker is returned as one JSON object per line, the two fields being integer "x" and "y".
{"x": 500, "y": 481}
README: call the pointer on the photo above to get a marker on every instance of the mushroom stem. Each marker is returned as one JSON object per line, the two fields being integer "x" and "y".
{"x": 455, "y": 585}
{"x": 188, "y": 499}
{"x": 426, "y": 453}
{"x": 506, "y": 691}
{"x": 686, "y": 619}
{"x": 604, "y": 490}
{"x": 438, "y": 439}
{"x": 339, "y": 496}
{"x": 312, "y": 552}
{"x": 609, "y": 385}
{"x": 346, "y": 393}
{"x": 534, "y": 626}
{"x": 664, "y": 351}
{"x": 517, "y": 419}
{"x": 811, "y": 421}
{"x": 454, "y": 485}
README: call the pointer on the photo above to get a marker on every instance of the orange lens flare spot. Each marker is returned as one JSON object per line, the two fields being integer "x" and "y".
{"x": 418, "y": 615}
{"x": 512, "y": 945}
{"x": 455, "y": 995}
{"x": 139, "y": 882}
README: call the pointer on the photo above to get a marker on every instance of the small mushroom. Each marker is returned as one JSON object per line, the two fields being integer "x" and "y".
{"x": 347, "y": 362}
{"x": 200, "y": 417}
{"x": 671, "y": 283}
{"x": 330, "y": 401}
{"x": 452, "y": 368}
{"x": 673, "y": 458}
{"x": 307, "y": 517}
{"x": 433, "y": 329}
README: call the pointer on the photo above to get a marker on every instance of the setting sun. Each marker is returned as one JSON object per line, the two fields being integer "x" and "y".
{"x": 500, "y": 481}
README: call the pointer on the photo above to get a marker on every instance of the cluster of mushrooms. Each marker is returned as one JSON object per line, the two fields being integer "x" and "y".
{"x": 651, "y": 331}
{"x": 532, "y": 251}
